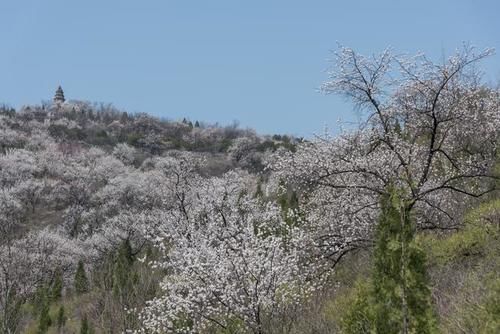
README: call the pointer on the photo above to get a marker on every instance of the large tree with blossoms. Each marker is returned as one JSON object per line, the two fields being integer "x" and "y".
{"x": 232, "y": 261}
{"x": 430, "y": 131}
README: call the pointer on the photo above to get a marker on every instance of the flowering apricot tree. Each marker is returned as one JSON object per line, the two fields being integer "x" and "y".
{"x": 430, "y": 132}
{"x": 233, "y": 263}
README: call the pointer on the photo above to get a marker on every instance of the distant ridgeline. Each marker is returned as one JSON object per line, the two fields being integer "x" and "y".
{"x": 98, "y": 124}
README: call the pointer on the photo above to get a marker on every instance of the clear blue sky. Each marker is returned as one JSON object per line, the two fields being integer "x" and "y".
{"x": 257, "y": 62}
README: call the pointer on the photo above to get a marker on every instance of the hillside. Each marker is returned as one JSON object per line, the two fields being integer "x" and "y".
{"x": 112, "y": 222}
{"x": 76, "y": 179}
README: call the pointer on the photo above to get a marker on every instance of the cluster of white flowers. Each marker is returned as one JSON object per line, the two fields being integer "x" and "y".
{"x": 431, "y": 131}
{"x": 231, "y": 259}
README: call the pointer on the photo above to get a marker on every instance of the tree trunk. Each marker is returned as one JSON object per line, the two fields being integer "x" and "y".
{"x": 404, "y": 303}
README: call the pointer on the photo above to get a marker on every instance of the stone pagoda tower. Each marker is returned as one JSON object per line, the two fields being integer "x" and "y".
{"x": 59, "y": 96}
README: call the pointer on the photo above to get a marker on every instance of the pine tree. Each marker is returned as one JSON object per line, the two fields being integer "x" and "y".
{"x": 81, "y": 282}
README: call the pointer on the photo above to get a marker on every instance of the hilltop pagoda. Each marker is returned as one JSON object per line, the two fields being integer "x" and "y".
{"x": 59, "y": 96}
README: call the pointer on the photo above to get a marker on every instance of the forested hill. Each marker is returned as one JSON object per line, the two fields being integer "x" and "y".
{"x": 78, "y": 124}
{"x": 80, "y": 181}
{"x": 113, "y": 223}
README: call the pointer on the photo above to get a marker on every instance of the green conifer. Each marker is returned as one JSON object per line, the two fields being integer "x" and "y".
{"x": 84, "y": 327}
{"x": 122, "y": 270}
{"x": 397, "y": 298}
{"x": 44, "y": 320}
{"x": 61, "y": 317}
{"x": 57, "y": 286}
{"x": 401, "y": 297}
{"x": 81, "y": 282}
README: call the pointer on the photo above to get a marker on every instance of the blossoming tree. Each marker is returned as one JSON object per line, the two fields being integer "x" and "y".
{"x": 231, "y": 262}
{"x": 430, "y": 131}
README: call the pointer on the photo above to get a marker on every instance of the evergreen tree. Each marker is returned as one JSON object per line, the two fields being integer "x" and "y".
{"x": 57, "y": 286}
{"x": 196, "y": 124}
{"x": 85, "y": 328}
{"x": 61, "y": 317}
{"x": 44, "y": 320}
{"x": 81, "y": 282}
{"x": 122, "y": 276}
{"x": 401, "y": 297}
{"x": 397, "y": 298}
{"x": 124, "y": 117}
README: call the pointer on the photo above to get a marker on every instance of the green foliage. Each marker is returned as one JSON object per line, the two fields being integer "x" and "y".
{"x": 57, "y": 286}
{"x": 491, "y": 323}
{"x": 81, "y": 282}
{"x": 7, "y": 111}
{"x": 266, "y": 145}
{"x": 183, "y": 323}
{"x": 399, "y": 278}
{"x": 39, "y": 299}
{"x": 61, "y": 317}
{"x": 133, "y": 138}
{"x": 481, "y": 229}
{"x": 398, "y": 295}
{"x": 119, "y": 282}
{"x": 85, "y": 327}
{"x": 65, "y": 133}
{"x": 480, "y": 316}
{"x": 233, "y": 326}
{"x": 224, "y": 145}
{"x": 44, "y": 320}
{"x": 99, "y": 137}
{"x": 468, "y": 242}
{"x": 465, "y": 264}
{"x": 356, "y": 308}
{"x": 122, "y": 271}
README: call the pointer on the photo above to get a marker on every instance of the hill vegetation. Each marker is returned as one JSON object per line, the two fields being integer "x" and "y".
{"x": 112, "y": 222}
